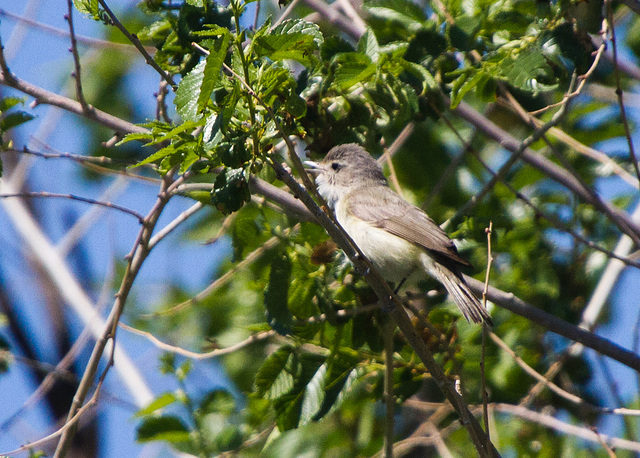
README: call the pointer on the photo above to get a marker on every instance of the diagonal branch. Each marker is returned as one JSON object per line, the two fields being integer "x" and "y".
{"x": 136, "y": 42}
{"x": 42, "y": 96}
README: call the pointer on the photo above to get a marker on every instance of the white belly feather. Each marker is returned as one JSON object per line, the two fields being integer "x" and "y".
{"x": 393, "y": 256}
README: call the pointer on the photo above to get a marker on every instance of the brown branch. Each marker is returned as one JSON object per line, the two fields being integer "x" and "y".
{"x": 42, "y": 96}
{"x": 73, "y": 197}
{"x": 551, "y": 323}
{"x": 619, "y": 93}
{"x": 88, "y": 41}
{"x": 196, "y": 355}
{"x": 76, "y": 58}
{"x": 136, "y": 42}
{"x": 550, "y": 169}
{"x": 139, "y": 254}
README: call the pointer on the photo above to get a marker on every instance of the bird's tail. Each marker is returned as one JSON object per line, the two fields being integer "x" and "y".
{"x": 464, "y": 298}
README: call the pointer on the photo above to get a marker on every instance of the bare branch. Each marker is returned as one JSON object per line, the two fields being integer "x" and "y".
{"x": 550, "y": 169}
{"x": 139, "y": 254}
{"x": 72, "y": 197}
{"x": 88, "y": 41}
{"x": 76, "y": 58}
{"x": 619, "y": 93}
{"x": 195, "y": 355}
{"x": 136, "y": 42}
{"x": 182, "y": 217}
{"x": 42, "y": 96}
{"x": 551, "y": 323}
{"x": 224, "y": 279}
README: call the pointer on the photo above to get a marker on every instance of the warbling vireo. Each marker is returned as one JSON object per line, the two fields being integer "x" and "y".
{"x": 397, "y": 237}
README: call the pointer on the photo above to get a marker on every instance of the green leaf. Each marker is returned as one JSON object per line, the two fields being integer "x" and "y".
{"x": 230, "y": 191}
{"x": 194, "y": 91}
{"x": 293, "y": 39}
{"x": 368, "y": 45}
{"x": 161, "y": 401}
{"x": 463, "y": 84}
{"x": 14, "y": 119}
{"x": 89, "y": 7}
{"x": 352, "y": 68}
{"x": 217, "y": 54}
{"x": 160, "y": 154}
{"x": 9, "y": 102}
{"x": 219, "y": 401}
{"x": 405, "y": 13}
{"x": 188, "y": 93}
{"x": 528, "y": 71}
{"x": 165, "y": 428}
{"x": 276, "y": 295}
{"x": 272, "y": 380}
{"x": 314, "y": 395}
{"x": 289, "y": 407}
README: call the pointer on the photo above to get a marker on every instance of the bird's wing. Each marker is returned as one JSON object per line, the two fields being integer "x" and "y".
{"x": 387, "y": 210}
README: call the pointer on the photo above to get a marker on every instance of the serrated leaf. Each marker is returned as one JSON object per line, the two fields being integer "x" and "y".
{"x": 314, "y": 395}
{"x": 368, "y": 45}
{"x": 276, "y": 295}
{"x": 300, "y": 26}
{"x": 14, "y": 119}
{"x": 352, "y": 68}
{"x": 528, "y": 71}
{"x": 272, "y": 380}
{"x": 195, "y": 88}
{"x": 90, "y": 8}
{"x": 293, "y": 39}
{"x": 160, "y": 154}
{"x": 217, "y": 54}
{"x": 289, "y": 406}
{"x": 165, "y": 428}
{"x": 135, "y": 136}
{"x": 161, "y": 401}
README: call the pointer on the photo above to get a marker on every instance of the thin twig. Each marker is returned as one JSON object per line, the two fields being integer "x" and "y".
{"x": 88, "y": 41}
{"x": 161, "y": 102}
{"x": 485, "y": 330}
{"x": 506, "y": 167}
{"x": 577, "y": 400}
{"x": 387, "y": 328}
{"x": 43, "y": 96}
{"x": 136, "y": 42}
{"x": 76, "y": 58}
{"x": 73, "y": 197}
{"x": 196, "y": 355}
{"x": 224, "y": 279}
{"x": 619, "y": 93}
{"x": 134, "y": 264}
{"x": 182, "y": 217}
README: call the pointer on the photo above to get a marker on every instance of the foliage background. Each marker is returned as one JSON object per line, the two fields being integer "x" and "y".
{"x": 535, "y": 260}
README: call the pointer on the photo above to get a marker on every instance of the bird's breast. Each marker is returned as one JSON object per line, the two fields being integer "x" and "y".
{"x": 394, "y": 257}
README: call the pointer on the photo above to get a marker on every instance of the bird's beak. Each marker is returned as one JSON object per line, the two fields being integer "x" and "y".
{"x": 313, "y": 167}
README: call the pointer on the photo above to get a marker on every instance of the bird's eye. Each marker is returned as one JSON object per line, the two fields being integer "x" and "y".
{"x": 335, "y": 166}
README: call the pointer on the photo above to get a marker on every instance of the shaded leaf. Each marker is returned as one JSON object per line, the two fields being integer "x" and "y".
{"x": 276, "y": 295}
{"x": 272, "y": 380}
{"x": 14, "y": 119}
{"x": 230, "y": 191}
{"x": 165, "y": 428}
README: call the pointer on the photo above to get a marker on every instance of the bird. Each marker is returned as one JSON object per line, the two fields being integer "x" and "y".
{"x": 398, "y": 237}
